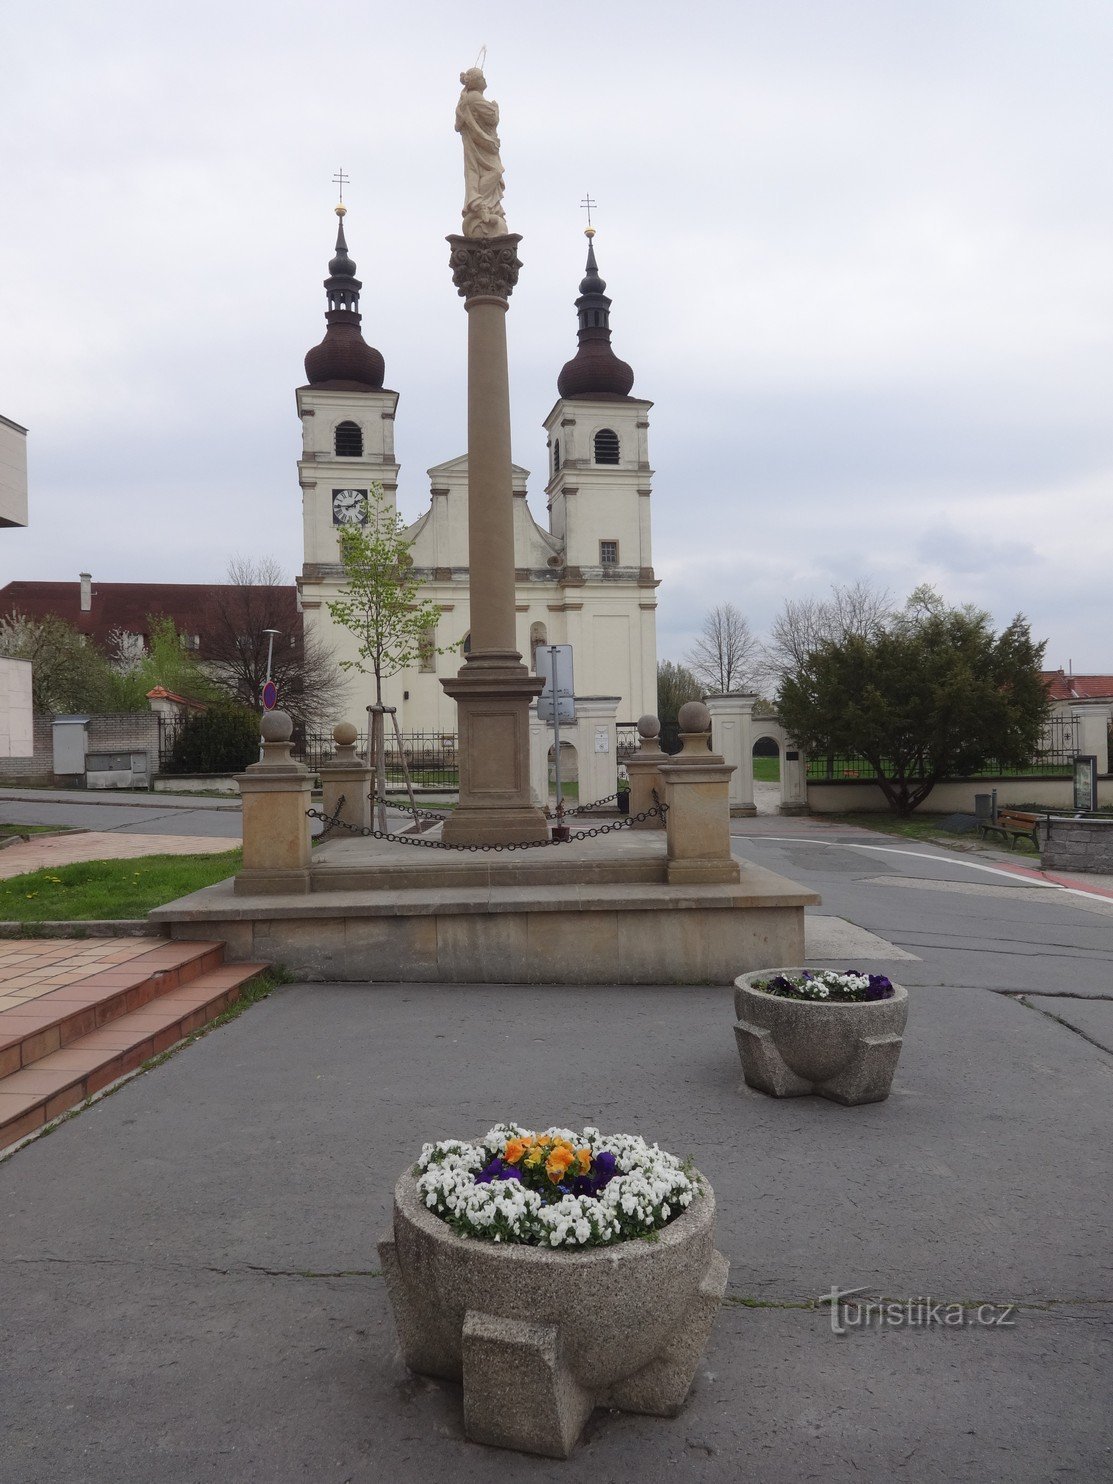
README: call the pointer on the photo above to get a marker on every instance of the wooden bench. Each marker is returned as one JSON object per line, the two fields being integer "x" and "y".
{"x": 1013, "y": 824}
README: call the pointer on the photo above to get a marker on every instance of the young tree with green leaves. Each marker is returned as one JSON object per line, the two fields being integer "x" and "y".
{"x": 933, "y": 693}
{"x": 380, "y": 604}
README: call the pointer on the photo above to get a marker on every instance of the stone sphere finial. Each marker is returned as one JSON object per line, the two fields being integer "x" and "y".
{"x": 694, "y": 717}
{"x": 344, "y": 734}
{"x": 276, "y": 726}
{"x": 648, "y": 726}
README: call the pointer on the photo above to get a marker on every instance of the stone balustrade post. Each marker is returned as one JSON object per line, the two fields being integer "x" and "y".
{"x": 697, "y": 787}
{"x": 276, "y": 835}
{"x": 645, "y": 778}
{"x": 347, "y": 776}
{"x": 732, "y": 737}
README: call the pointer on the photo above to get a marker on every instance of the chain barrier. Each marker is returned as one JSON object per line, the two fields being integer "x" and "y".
{"x": 335, "y": 822}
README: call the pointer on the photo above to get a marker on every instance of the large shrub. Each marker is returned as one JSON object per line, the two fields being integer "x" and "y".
{"x": 223, "y": 739}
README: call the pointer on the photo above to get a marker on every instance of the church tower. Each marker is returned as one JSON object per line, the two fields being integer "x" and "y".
{"x": 599, "y": 509}
{"x": 347, "y": 419}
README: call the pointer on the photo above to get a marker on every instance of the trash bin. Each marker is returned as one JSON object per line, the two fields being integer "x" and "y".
{"x": 983, "y": 807}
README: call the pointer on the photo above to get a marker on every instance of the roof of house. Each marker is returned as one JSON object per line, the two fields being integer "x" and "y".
{"x": 129, "y": 605}
{"x": 1064, "y": 687}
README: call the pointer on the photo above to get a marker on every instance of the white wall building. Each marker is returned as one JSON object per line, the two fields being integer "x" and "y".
{"x": 587, "y": 580}
{"x": 13, "y": 473}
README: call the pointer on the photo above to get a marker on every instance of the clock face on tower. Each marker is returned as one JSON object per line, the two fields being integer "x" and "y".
{"x": 349, "y": 507}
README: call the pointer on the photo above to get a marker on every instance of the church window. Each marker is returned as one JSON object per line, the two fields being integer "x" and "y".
{"x": 349, "y": 441}
{"x": 465, "y": 643}
{"x": 556, "y": 456}
{"x": 608, "y": 553}
{"x": 606, "y": 446}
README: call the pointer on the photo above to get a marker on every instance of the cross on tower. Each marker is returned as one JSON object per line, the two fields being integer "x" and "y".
{"x": 341, "y": 180}
{"x": 588, "y": 205}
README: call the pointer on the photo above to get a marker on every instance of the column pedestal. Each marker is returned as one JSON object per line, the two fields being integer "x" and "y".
{"x": 496, "y": 801}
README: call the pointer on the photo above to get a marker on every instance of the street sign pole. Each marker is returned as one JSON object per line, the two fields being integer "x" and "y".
{"x": 556, "y": 743}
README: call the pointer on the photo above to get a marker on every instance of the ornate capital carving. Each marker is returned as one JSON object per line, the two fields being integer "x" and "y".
{"x": 484, "y": 265}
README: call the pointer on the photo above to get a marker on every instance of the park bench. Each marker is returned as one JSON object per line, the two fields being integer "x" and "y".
{"x": 1013, "y": 824}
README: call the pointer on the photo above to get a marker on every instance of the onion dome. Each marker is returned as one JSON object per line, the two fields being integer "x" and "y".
{"x": 595, "y": 370}
{"x": 343, "y": 360}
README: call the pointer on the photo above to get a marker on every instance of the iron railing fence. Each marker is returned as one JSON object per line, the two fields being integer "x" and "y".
{"x": 431, "y": 757}
{"x": 168, "y": 729}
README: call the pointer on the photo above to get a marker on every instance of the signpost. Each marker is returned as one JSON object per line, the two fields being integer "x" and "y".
{"x": 270, "y": 696}
{"x": 556, "y": 703}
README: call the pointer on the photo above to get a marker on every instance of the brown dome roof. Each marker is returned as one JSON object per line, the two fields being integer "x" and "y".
{"x": 343, "y": 360}
{"x": 595, "y": 370}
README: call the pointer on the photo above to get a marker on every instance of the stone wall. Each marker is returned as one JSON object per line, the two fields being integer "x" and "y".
{"x": 955, "y": 796}
{"x": 1068, "y": 844}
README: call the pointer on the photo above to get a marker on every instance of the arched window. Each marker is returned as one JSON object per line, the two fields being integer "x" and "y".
{"x": 556, "y": 456}
{"x": 606, "y": 446}
{"x": 465, "y": 643}
{"x": 349, "y": 441}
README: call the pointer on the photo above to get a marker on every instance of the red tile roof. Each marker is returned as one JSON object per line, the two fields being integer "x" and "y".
{"x": 128, "y": 606}
{"x": 1064, "y": 687}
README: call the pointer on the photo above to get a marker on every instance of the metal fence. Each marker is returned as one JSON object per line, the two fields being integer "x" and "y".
{"x": 431, "y": 757}
{"x": 1055, "y": 759}
{"x": 168, "y": 729}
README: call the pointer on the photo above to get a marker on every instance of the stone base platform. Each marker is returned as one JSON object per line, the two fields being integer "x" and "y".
{"x": 589, "y": 912}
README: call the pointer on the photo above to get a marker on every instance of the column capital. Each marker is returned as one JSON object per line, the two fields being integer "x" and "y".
{"x": 484, "y": 267}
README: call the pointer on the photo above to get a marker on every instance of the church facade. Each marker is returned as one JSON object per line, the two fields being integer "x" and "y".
{"x": 585, "y": 579}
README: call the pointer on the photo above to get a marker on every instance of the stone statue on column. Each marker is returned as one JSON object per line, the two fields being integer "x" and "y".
{"x": 477, "y": 121}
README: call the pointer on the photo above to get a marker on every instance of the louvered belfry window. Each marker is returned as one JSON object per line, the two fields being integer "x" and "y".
{"x": 606, "y": 446}
{"x": 349, "y": 441}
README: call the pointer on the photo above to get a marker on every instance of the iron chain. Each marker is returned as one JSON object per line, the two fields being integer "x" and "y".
{"x": 335, "y": 822}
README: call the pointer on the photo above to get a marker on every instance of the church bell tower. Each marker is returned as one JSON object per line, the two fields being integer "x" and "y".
{"x": 347, "y": 419}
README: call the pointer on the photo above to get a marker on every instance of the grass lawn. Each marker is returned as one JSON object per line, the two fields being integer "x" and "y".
{"x": 110, "y": 889}
{"x": 767, "y": 770}
{"x": 10, "y": 831}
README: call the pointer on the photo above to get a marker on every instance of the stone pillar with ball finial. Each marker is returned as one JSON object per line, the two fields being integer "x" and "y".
{"x": 493, "y": 688}
{"x": 645, "y": 778}
{"x": 697, "y": 784}
{"x": 346, "y": 781}
{"x": 276, "y": 794}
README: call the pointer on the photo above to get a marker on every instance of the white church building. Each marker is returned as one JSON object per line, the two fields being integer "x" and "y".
{"x": 585, "y": 578}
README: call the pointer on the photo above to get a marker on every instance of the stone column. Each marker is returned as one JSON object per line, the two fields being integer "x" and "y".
{"x": 276, "y": 836}
{"x": 347, "y": 775}
{"x": 1093, "y": 733}
{"x": 732, "y": 736}
{"x": 697, "y": 784}
{"x": 596, "y": 739}
{"x": 794, "y": 779}
{"x": 645, "y": 779}
{"x": 493, "y": 689}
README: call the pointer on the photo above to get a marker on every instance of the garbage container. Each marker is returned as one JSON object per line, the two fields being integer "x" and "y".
{"x": 983, "y": 808}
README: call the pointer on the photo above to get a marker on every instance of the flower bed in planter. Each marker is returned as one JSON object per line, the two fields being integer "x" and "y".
{"x": 839, "y": 1044}
{"x": 554, "y": 1309}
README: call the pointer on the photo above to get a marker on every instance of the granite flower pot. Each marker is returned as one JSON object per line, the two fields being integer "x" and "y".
{"x": 540, "y": 1336}
{"x": 843, "y": 1051}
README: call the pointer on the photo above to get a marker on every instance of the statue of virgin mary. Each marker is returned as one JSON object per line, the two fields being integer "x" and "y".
{"x": 477, "y": 120}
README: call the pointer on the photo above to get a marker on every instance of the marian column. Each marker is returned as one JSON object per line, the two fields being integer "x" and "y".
{"x": 493, "y": 689}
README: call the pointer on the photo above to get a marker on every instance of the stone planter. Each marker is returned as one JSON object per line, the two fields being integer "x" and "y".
{"x": 845, "y": 1052}
{"x": 538, "y": 1336}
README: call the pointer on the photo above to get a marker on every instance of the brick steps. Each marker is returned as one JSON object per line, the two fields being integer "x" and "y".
{"x": 59, "y": 1049}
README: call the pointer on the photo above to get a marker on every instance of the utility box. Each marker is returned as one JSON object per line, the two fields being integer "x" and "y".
{"x": 71, "y": 743}
{"x": 116, "y": 770}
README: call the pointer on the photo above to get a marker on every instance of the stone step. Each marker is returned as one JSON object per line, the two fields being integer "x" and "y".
{"x": 60, "y": 1079}
{"x": 52, "y": 1021}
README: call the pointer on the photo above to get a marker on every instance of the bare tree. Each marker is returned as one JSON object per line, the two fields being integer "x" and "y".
{"x": 726, "y": 657}
{"x": 857, "y": 610}
{"x": 235, "y": 642}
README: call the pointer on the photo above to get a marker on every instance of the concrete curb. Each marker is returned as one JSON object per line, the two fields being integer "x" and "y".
{"x": 123, "y": 927}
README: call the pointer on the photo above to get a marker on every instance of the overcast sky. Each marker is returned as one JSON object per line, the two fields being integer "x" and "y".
{"x": 860, "y": 252}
